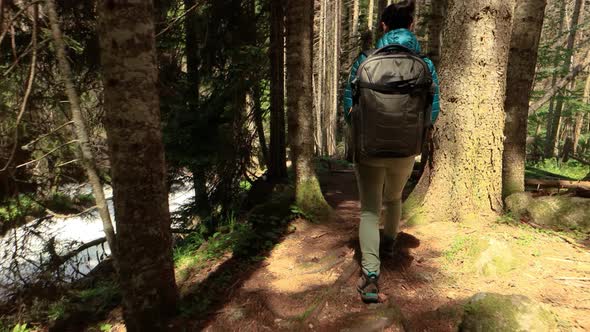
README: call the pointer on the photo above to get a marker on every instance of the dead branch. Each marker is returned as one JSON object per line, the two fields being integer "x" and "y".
{"x": 176, "y": 20}
{"x": 31, "y": 48}
{"x": 47, "y": 154}
{"x": 28, "y": 145}
{"x": 584, "y": 185}
{"x": 561, "y": 84}
{"x": 14, "y": 17}
{"x": 27, "y": 91}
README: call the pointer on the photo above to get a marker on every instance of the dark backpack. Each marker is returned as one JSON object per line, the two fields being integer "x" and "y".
{"x": 392, "y": 94}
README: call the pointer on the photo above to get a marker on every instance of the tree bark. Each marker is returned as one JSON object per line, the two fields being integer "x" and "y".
{"x": 278, "y": 166}
{"x": 580, "y": 117}
{"x": 84, "y": 154}
{"x": 259, "y": 123}
{"x": 522, "y": 61}
{"x": 132, "y": 122}
{"x": 308, "y": 195}
{"x": 193, "y": 62}
{"x": 552, "y": 132}
{"x": 371, "y": 15}
{"x": 465, "y": 178}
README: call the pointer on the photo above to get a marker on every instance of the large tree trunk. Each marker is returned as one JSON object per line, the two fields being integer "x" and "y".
{"x": 132, "y": 121}
{"x": 277, "y": 165}
{"x": 319, "y": 72}
{"x": 552, "y": 131}
{"x": 299, "y": 25}
{"x": 522, "y": 61}
{"x": 465, "y": 177}
{"x": 85, "y": 152}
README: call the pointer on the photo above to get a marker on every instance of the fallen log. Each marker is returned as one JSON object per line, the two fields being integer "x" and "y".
{"x": 584, "y": 185}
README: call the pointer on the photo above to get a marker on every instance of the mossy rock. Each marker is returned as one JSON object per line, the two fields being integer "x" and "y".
{"x": 488, "y": 257}
{"x": 505, "y": 313}
{"x": 560, "y": 212}
{"x": 495, "y": 258}
{"x": 377, "y": 318}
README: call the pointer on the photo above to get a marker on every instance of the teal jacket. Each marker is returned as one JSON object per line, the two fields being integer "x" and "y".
{"x": 402, "y": 37}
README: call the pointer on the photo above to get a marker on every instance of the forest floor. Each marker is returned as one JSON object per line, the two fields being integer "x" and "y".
{"x": 307, "y": 281}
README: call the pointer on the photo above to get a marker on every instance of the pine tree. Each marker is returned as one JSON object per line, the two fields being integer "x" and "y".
{"x": 132, "y": 121}
{"x": 308, "y": 195}
{"x": 465, "y": 178}
{"x": 522, "y": 61}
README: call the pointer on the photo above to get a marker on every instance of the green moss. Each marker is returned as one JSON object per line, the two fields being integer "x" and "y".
{"x": 309, "y": 198}
{"x": 495, "y": 312}
{"x": 417, "y": 220}
{"x": 482, "y": 256}
{"x": 411, "y": 206}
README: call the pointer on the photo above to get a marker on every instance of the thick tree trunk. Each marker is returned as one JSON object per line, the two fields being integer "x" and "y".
{"x": 465, "y": 177}
{"x": 522, "y": 61}
{"x": 552, "y": 132}
{"x": 299, "y": 25}
{"x": 278, "y": 165}
{"x": 85, "y": 151}
{"x": 132, "y": 121}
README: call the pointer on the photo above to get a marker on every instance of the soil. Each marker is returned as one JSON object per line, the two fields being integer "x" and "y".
{"x": 308, "y": 280}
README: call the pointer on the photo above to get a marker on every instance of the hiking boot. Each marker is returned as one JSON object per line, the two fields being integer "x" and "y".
{"x": 391, "y": 248}
{"x": 368, "y": 287}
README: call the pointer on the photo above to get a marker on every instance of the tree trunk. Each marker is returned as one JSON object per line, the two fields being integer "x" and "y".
{"x": 278, "y": 165}
{"x": 193, "y": 62}
{"x": 552, "y": 132}
{"x": 580, "y": 117}
{"x": 371, "y": 15}
{"x": 308, "y": 195}
{"x": 259, "y": 123}
{"x": 132, "y": 122}
{"x": 465, "y": 177}
{"x": 381, "y": 5}
{"x": 85, "y": 151}
{"x": 435, "y": 24}
{"x": 522, "y": 61}
{"x": 319, "y": 72}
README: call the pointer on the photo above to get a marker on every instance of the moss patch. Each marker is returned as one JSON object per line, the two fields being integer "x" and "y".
{"x": 309, "y": 198}
{"x": 495, "y": 312}
{"x": 488, "y": 257}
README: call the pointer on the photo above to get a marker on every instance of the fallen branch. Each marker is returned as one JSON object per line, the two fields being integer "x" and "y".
{"x": 583, "y": 161}
{"x": 584, "y": 185}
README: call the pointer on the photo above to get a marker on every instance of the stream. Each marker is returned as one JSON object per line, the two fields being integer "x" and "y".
{"x": 25, "y": 250}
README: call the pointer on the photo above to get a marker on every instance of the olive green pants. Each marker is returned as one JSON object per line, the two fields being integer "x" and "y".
{"x": 380, "y": 184}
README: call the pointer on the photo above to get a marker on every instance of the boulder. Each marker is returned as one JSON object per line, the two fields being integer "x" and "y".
{"x": 377, "y": 318}
{"x": 559, "y": 212}
{"x": 496, "y": 312}
{"x": 495, "y": 258}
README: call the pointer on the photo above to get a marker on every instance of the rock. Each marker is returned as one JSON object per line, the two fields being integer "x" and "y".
{"x": 561, "y": 212}
{"x": 495, "y": 258}
{"x": 376, "y": 318}
{"x": 495, "y": 312}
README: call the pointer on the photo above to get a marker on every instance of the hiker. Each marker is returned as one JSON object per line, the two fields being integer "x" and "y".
{"x": 386, "y": 143}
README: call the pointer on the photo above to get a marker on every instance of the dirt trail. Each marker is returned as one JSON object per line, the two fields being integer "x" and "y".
{"x": 304, "y": 283}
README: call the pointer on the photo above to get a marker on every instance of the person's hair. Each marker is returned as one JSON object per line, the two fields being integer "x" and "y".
{"x": 399, "y": 15}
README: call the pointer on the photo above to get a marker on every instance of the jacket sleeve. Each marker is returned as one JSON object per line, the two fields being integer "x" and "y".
{"x": 436, "y": 100}
{"x": 347, "y": 102}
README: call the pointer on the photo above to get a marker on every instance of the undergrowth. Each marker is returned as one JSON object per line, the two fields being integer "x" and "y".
{"x": 571, "y": 169}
